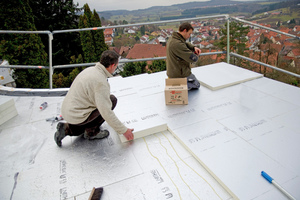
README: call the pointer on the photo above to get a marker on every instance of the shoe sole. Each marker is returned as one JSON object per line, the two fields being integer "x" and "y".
{"x": 93, "y": 138}
{"x": 56, "y": 136}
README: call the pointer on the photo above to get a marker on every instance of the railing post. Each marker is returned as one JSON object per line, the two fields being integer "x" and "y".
{"x": 50, "y": 59}
{"x": 228, "y": 41}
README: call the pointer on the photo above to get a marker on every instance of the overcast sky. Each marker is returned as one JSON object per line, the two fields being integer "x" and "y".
{"x": 103, "y": 5}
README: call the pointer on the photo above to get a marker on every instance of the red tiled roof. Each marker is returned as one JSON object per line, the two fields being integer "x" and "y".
{"x": 296, "y": 28}
{"x": 270, "y": 34}
{"x": 288, "y": 43}
{"x": 115, "y": 49}
{"x": 275, "y": 47}
{"x": 248, "y": 44}
{"x": 266, "y": 25}
{"x": 124, "y": 50}
{"x": 253, "y": 38}
{"x": 108, "y": 31}
{"x": 284, "y": 29}
{"x": 147, "y": 51}
{"x": 205, "y": 43}
{"x": 196, "y": 42}
{"x": 296, "y": 52}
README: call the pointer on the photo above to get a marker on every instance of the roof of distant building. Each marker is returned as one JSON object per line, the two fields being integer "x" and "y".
{"x": 108, "y": 31}
{"x": 147, "y": 51}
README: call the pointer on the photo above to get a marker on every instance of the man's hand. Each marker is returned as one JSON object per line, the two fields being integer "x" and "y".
{"x": 197, "y": 51}
{"x": 128, "y": 134}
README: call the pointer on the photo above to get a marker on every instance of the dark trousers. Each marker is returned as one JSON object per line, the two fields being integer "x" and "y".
{"x": 92, "y": 124}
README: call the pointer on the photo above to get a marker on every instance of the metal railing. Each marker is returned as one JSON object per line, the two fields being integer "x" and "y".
{"x": 228, "y": 54}
{"x": 258, "y": 62}
{"x": 50, "y": 36}
{"x": 131, "y": 25}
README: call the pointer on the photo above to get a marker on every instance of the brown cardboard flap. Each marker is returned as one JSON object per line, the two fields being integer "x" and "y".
{"x": 176, "y": 81}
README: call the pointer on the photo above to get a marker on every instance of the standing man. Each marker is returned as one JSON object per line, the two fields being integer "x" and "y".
{"x": 88, "y": 103}
{"x": 180, "y": 54}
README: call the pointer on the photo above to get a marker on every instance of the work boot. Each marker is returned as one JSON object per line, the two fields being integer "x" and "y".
{"x": 192, "y": 82}
{"x": 60, "y": 133}
{"x": 102, "y": 134}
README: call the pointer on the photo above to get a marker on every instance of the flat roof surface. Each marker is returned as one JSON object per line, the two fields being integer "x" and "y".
{"x": 213, "y": 148}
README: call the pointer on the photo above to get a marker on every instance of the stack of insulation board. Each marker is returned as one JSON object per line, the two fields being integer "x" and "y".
{"x": 7, "y": 110}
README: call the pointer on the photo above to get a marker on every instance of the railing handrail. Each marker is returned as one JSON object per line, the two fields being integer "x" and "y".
{"x": 24, "y": 32}
{"x": 264, "y": 27}
{"x": 50, "y": 34}
{"x": 264, "y": 64}
{"x": 130, "y": 60}
{"x": 138, "y": 24}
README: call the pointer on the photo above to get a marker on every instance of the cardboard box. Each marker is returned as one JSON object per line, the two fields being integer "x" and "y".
{"x": 176, "y": 91}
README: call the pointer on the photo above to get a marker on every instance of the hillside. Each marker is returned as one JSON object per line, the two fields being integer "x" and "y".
{"x": 166, "y": 10}
{"x": 184, "y": 10}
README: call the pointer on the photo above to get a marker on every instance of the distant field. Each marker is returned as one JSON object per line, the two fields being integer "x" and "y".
{"x": 145, "y": 18}
{"x": 266, "y": 3}
{"x": 286, "y": 15}
{"x": 127, "y": 18}
{"x": 173, "y": 26}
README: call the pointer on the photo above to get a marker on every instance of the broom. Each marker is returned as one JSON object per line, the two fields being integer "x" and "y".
{"x": 96, "y": 193}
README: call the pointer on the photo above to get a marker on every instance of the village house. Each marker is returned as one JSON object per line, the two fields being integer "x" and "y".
{"x": 122, "y": 51}
{"x": 296, "y": 29}
{"x": 108, "y": 35}
{"x": 162, "y": 40}
{"x": 196, "y": 40}
{"x": 205, "y": 44}
{"x": 166, "y": 32}
{"x": 196, "y": 26}
{"x": 130, "y": 30}
{"x": 147, "y": 51}
{"x": 294, "y": 53}
{"x": 109, "y": 32}
{"x": 155, "y": 33}
{"x": 144, "y": 39}
{"x": 109, "y": 40}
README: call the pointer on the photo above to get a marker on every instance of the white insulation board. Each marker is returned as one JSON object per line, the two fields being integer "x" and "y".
{"x": 220, "y": 75}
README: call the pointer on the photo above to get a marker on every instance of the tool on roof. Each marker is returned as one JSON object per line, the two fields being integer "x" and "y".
{"x": 55, "y": 119}
{"x": 43, "y": 106}
{"x": 96, "y": 193}
{"x": 271, "y": 180}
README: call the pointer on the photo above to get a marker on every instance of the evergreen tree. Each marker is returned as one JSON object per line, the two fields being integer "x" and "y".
{"x": 237, "y": 42}
{"x": 22, "y": 49}
{"x": 99, "y": 40}
{"x": 92, "y": 42}
{"x": 157, "y": 66}
{"x": 86, "y": 39}
{"x": 237, "y": 36}
{"x": 133, "y": 68}
{"x": 278, "y": 24}
{"x": 58, "y": 15}
{"x": 137, "y": 38}
{"x": 293, "y": 21}
{"x": 143, "y": 30}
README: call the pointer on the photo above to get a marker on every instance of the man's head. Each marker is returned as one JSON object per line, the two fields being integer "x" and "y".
{"x": 109, "y": 59}
{"x": 185, "y": 29}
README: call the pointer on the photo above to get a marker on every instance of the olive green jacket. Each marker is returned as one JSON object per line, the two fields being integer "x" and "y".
{"x": 179, "y": 56}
